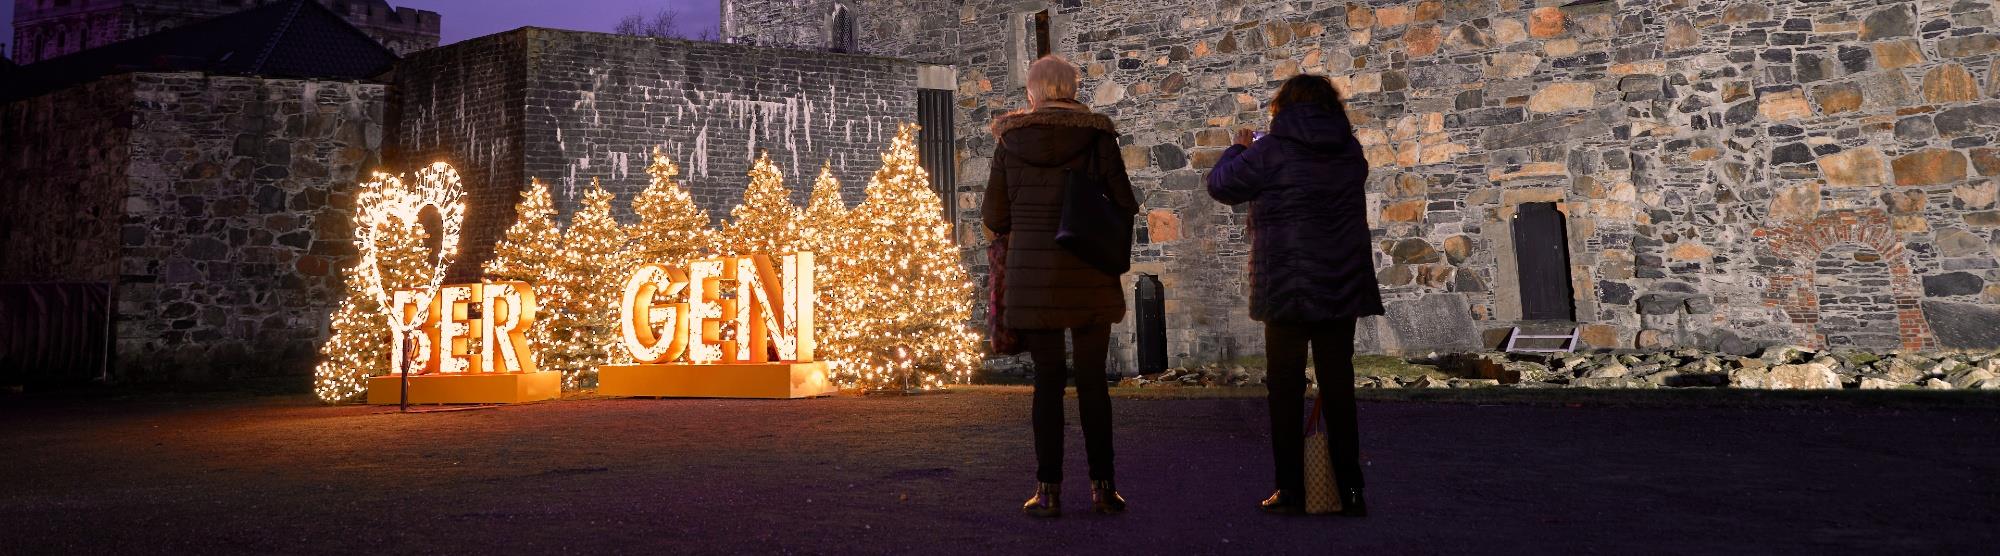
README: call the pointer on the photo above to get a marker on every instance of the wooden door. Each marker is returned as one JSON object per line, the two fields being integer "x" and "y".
{"x": 1541, "y": 256}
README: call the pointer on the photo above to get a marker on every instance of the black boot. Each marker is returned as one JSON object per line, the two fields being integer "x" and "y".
{"x": 1105, "y": 499}
{"x": 1047, "y": 501}
{"x": 1284, "y": 502}
{"x": 1352, "y": 504}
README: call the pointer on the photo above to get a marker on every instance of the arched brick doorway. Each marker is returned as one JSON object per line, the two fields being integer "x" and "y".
{"x": 1803, "y": 242}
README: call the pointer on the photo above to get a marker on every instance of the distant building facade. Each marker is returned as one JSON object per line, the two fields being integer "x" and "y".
{"x": 45, "y": 29}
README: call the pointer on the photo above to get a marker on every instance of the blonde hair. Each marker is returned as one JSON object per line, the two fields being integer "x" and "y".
{"x": 1051, "y": 78}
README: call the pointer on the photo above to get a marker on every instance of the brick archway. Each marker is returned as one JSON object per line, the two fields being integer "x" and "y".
{"x": 1802, "y": 243}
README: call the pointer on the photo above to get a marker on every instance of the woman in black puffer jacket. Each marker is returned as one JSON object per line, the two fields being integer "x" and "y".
{"x": 1311, "y": 271}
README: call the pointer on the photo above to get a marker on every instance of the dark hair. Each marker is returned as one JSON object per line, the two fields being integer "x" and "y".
{"x": 1306, "y": 89}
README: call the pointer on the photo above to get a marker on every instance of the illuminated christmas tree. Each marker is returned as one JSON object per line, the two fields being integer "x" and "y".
{"x": 766, "y": 222}
{"x": 530, "y": 252}
{"x": 357, "y": 349}
{"x": 672, "y": 228}
{"x": 825, "y": 227}
{"x": 909, "y": 323}
{"x": 588, "y": 278}
{"x": 359, "y": 345}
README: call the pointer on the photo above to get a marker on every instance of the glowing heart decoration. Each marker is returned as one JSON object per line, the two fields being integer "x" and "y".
{"x": 387, "y": 202}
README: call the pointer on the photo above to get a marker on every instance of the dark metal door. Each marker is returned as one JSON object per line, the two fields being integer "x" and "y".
{"x": 1541, "y": 256}
{"x": 1149, "y": 298}
{"x": 934, "y": 147}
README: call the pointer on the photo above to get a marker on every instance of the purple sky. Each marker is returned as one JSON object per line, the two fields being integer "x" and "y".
{"x": 465, "y": 19}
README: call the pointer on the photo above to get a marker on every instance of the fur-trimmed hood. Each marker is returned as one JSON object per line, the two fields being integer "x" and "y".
{"x": 1051, "y": 135}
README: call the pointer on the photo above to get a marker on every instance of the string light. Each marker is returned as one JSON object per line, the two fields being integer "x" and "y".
{"x": 893, "y": 299}
{"x": 901, "y": 298}
{"x": 529, "y": 252}
{"x": 589, "y": 276}
{"x": 393, "y": 257}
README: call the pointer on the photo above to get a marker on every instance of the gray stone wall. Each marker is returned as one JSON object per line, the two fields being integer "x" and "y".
{"x": 1732, "y": 172}
{"x": 594, "y": 105}
{"x": 215, "y": 205}
{"x": 63, "y": 157}
{"x": 236, "y": 221}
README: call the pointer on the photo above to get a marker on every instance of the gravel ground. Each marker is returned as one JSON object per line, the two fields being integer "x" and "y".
{"x": 938, "y": 473}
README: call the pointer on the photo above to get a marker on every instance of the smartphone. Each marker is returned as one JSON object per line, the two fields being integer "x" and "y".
{"x": 1256, "y": 136}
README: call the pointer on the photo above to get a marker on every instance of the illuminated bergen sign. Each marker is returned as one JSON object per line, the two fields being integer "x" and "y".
{"x": 444, "y": 334}
{"x": 729, "y": 310}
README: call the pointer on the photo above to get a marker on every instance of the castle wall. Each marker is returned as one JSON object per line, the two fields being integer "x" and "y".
{"x": 1699, "y": 150}
{"x": 236, "y": 222}
{"x": 594, "y": 105}
{"x": 216, "y": 206}
{"x": 64, "y": 157}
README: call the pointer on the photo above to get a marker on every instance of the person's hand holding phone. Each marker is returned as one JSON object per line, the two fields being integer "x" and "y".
{"x": 1245, "y": 136}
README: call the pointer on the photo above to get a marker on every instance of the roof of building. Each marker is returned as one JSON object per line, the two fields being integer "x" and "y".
{"x": 296, "y": 39}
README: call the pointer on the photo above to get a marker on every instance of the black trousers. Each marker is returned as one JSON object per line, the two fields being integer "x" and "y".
{"x": 1332, "y": 347}
{"x": 1093, "y": 398}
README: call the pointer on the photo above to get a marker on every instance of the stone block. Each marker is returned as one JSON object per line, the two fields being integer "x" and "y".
{"x": 1898, "y": 54}
{"x": 1421, "y": 41}
{"x": 1804, "y": 376}
{"x": 1950, "y": 83}
{"x": 1861, "y": 167}
{"x": 1544, "y": 23}
{"x": 1968, "y": 120}
{"x": 1413, "y": 251}
{"x": 1986, "y": 161}
{"x": 1838, "y": 98}
{"x": 1968, "y": 46}
{"x": 1889, "y": 22}
{"x": 1457, "y": 249}
{"x": 1660, "y": 304}
{"x": 1600, "y": 336}
{"x": 1872, "y": 383}
{"x": 1437, "y": 322}
{"x": 1784, "y": 105}
{"x": 1562, "y": 97}
{"x": 1930, "y": 167}
{"x": 1163, "y": 225}
{"x": 1963, "y": 325}
{"x": 1404, "y": 211}
{"x": 1952, "y": 283}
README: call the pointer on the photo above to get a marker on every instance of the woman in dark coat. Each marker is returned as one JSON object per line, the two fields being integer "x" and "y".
{"x": 1311, "y": 271}
{"x": 1048, "y": 289}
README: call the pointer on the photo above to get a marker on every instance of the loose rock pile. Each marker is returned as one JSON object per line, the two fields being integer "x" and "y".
{"x": 1208, "y": 375}
{"x": 1776, "y": 368}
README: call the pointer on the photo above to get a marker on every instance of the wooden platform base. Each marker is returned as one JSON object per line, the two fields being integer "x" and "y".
{"x": 681, "y": 380}
{"x": 467, "y": 388}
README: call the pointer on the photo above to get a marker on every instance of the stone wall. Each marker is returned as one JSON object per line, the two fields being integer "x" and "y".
{"x": 216, "y": 205}
{"x": 236, "y": 221}
{"x": 63, "y": 156}
{"x": 594, "y": 105}
{"x": 1705, "y": 154}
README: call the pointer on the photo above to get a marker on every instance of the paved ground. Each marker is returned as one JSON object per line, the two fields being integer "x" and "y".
{"x": 944, "y": 473}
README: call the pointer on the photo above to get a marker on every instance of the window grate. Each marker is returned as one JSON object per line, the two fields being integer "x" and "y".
{"x": 934, "y": 148}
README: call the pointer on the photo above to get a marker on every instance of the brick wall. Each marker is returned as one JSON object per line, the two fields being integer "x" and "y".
{"x": 1678, "y": 138}
{"x": 594, "y": 105}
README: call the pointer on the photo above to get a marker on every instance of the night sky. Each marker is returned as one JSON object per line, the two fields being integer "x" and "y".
{"x": 464, "y": 19}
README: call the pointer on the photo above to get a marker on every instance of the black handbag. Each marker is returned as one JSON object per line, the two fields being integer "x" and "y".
{"x": 1094, "y": 227}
